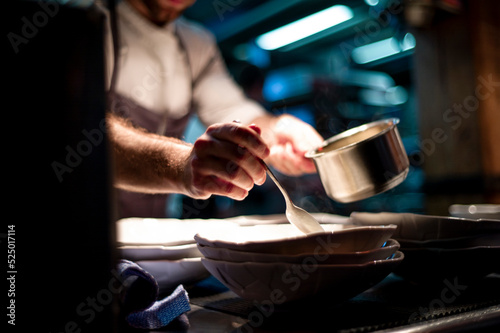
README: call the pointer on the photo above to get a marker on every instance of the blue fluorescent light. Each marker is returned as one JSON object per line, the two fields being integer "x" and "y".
{"x": 382, "y": 49}
{"x": 287, "y": 82}
{"x": 304, "y": 27}
{"x": 371, "y": 2}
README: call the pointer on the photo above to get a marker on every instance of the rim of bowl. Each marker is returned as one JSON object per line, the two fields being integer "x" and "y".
{"x": 398, "y": 256}
{"x": 358, "y": 228}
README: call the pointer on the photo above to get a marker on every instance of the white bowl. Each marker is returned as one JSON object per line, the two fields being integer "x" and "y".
{"x": 286, "y": 239}
{"x": 360, "y": 257}
{"x": 284, "y": 282}
{"x": 425, "y": 227}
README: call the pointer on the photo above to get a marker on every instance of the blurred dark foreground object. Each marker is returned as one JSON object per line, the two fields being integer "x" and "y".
{"x": 58, "y": 166}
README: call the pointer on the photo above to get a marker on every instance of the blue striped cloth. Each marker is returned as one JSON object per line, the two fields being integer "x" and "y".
{"x": 139, "y": 299}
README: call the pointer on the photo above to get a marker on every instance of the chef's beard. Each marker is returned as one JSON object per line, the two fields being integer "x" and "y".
{"x": 161, "y": 15}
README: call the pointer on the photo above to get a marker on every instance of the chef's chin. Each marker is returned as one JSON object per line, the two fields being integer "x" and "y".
{"x": 179, "y": 5}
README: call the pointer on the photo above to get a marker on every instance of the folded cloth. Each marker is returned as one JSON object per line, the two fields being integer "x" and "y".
{"x": 139, "y": 299}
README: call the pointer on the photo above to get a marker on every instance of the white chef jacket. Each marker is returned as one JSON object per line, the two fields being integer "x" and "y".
{"x": 177, "y": 69}
{"x": 165, "y": 74}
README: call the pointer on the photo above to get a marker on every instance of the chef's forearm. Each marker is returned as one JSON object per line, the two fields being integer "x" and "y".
{"x": 146, "y": 162}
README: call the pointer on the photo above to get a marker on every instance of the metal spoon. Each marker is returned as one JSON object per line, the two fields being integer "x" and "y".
{"x": 304, "y": 221}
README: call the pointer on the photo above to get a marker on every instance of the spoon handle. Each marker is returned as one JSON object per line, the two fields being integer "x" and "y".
{"x": 275, "y": 180}
{"x": 273, "y": 177}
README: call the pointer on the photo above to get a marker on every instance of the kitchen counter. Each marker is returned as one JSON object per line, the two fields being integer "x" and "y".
{"x": 394, "y": 305}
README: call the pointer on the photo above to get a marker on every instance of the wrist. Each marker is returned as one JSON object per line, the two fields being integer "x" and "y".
{"x": 182, "y": 175}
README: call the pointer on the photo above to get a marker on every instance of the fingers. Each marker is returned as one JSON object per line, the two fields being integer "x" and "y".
{"x": 292, "y": 138}
{"x": 226, "y": 161}
{"x": 303, "y": 136}
{"x": 211, "y": 185}
{"x": 255, "y": 128}
{"x": 229, "y": 171}
{"x": 290, "y": 162}
{"x": 244, "y": 136}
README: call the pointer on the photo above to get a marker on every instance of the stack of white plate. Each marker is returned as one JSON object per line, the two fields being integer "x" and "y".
{"x": 439, "y": 247}
{"x": 166, "y": 247}
{"x": 279, "y": 264}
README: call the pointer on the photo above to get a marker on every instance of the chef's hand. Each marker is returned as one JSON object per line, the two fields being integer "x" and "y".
{"x": 289, "y": 138}
{"x": 225, "y": 161}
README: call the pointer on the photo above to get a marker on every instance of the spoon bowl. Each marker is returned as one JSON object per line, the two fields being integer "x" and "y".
{"x": 304, "y": 221}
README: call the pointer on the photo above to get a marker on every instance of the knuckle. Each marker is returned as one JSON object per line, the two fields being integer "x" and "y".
{"x": 201, "y": 144}
{"x": 198, "y": 182}
{"x": 232, "y": 170}
{"x": 240, "y": 150}
{"x": 229, "y": 188}
{"x": 242, "y": 156}
{"x": 196, "y": 163}
{"x": 212, "y": 128}
{"x": 262, "y": 174}
{"x": 241, "y": 134}
{"x": 235, "y": 192}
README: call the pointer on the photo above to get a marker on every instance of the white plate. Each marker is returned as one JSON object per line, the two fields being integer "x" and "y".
{"x": 425, "y": 227}
{"x": 158, "y": 252}
{"x": 171, "y": 273}
{"x": 174, "y": 232}
{"x": 166, "y": 232}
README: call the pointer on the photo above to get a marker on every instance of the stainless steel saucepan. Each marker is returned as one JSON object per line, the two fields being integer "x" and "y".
{"x": 362, "y": 161}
